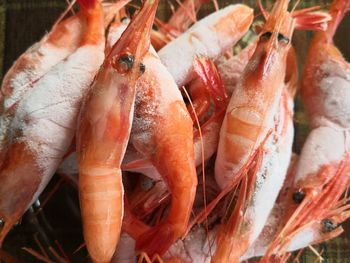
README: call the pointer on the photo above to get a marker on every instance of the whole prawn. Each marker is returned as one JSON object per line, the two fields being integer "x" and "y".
{"x": 322, "y": 172}
{"x": 44, "y": 122}
{"x": 168, "y": 144}
{"x": 103, "y": 133}
{"x": 248, "y": 129}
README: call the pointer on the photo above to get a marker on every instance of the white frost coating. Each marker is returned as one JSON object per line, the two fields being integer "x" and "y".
{"x": 304, "y": 238}
{"x": 125, "y": 252}
{"x": 271, "y": 176}
{"x": 331, "y": 99}
{"x": 156, "y": 91}
{"x": 322, "y": 146}
{"x": 231, "y": 69}
{"x": 47, "y": 56}
{"x": 157, "y": 74}
{"x": 194, "y": 248}
{"x": 225, "y": 171}
{"x": 47, "y": 115}
{"x": 202, "y": 39}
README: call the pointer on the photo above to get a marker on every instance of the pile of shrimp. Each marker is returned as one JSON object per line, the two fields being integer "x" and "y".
{"x": 199, "y": 136}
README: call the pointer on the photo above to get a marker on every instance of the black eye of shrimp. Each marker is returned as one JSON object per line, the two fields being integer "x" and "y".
{"x": 126, "y": 62}
{"x": 282, "y": 38}
{"x": 266, "y": 36}
{"x": 328, "y": 225}
{"x": 298, "y": 196}
{"x": 2, "y": 223}
{"x": 142, "y": 68}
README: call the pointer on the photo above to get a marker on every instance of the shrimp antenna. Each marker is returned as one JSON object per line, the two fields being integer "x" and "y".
{"x": 69, "y": 7}
{"x": 262, "y": 10}
{"x": 295, "y": 6}
{"x": 190, "y": 13}
{"x": 72, "y": 10}
{"x": 216, "y": 5}
{"x": 202, "y": 157}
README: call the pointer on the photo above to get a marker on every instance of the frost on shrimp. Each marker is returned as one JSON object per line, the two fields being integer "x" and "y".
{"x": 209, "y": 37}
{"x": 322, "y": 173}
{"x": 168, "y": 145}
{"x": 43, "y": 126}
{"x": 64, "y": 39}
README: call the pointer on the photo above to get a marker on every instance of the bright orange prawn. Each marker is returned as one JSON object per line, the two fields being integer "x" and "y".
{"x": 322, "y": 172}
{"x": 102, "y": 137}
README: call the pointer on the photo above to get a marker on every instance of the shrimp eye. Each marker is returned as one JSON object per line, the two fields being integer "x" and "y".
{"x": 266, "y": 36}
{"x": 282, "y": 38}
{"x": 126, "y": 62}
{"x": 142, "y": 68}
{"x": 2, "y": 223}
{"x": 298, "y": 197}
{"x": 328, "y": 225}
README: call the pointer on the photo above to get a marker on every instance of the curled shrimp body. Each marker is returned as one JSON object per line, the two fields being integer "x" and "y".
{"x": 209, "y": 37}
{"x": 168, "y": 144}
{"x": 322, "y": 172}
{"x": 103, "y": 133}
{"x": 43, "y": 126}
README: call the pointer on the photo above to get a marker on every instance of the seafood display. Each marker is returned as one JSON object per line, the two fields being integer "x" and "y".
{"x": 177, "y": 143}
